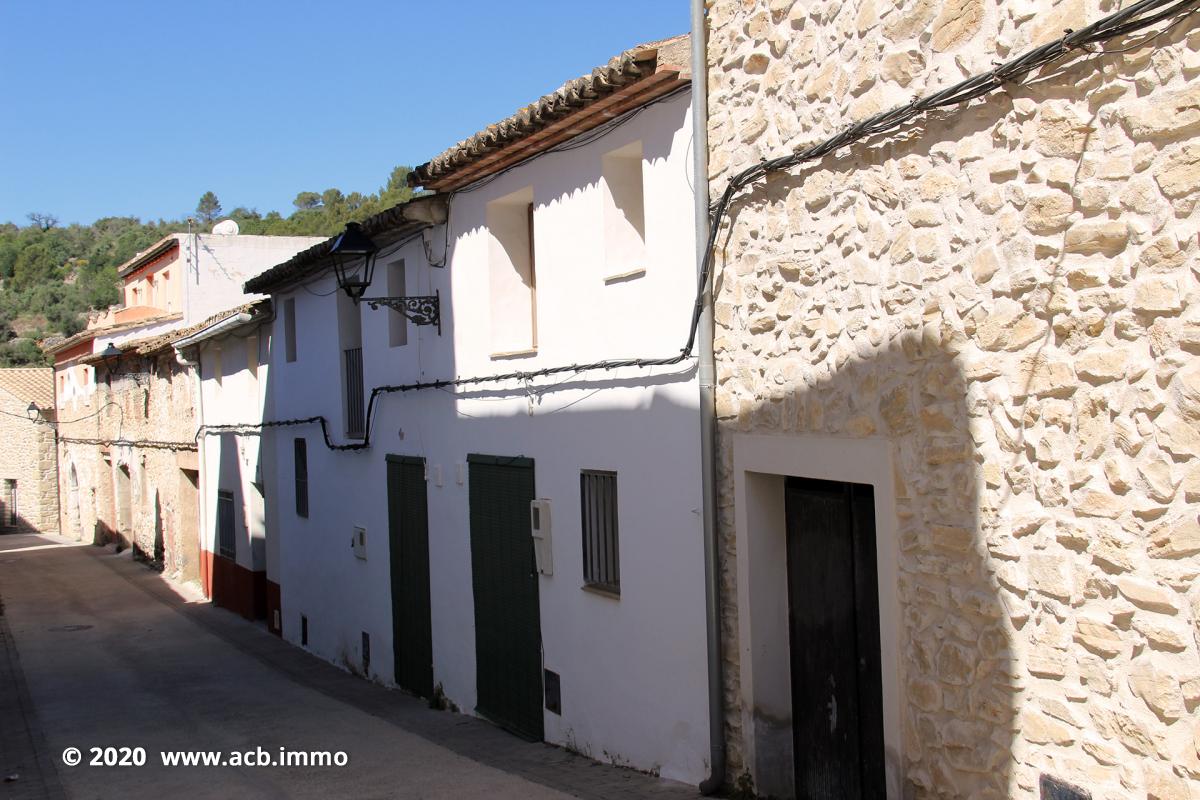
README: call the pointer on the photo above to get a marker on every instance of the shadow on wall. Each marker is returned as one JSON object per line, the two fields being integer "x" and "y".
{"x": 18, "y": 524}
{"x": 160, "y": 550}
{"x": 103, "y": 533}
{"x": 949, "y": 681}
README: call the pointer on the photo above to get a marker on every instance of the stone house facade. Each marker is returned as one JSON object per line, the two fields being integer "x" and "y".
{"x": 990, "y": 320}
{"x": 129, "y": 467}
{"x": 28, "y": 492}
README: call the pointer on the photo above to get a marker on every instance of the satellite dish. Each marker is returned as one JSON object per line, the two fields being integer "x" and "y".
{"x": 226, "y": 227}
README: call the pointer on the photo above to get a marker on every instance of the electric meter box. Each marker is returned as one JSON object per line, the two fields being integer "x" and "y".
{"x": 539, "y": 523}
{"x": 359, "y": 543}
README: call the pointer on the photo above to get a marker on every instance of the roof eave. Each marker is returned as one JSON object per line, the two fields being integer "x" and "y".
{"x": 632, "y": 79}
{"x": 384, "y": 228}
{"x": 143, "y": 258}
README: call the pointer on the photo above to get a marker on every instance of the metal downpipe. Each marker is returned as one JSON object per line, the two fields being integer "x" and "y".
{"x": 707, "y": 375}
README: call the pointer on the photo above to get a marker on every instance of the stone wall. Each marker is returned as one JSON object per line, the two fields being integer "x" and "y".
{"x": 144, "y": 422}
{"x": 1008, "y": 293}
{"x": 27, "y": 456}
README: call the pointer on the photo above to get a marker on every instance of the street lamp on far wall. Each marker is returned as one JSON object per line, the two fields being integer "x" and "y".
{"x": 33, "y": 412}
{"x": 354, "y": 278}
{"x": 111, "y": 356}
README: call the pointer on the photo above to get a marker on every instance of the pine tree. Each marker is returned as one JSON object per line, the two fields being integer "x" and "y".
{"x": 209, "y": 207}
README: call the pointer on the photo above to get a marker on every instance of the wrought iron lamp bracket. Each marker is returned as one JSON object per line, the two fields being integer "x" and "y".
{"x": 423, "y": 309}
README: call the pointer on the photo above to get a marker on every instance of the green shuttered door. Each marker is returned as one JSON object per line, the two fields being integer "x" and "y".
{"x": 408, "y": 537}
{"x": 508, "y": 642}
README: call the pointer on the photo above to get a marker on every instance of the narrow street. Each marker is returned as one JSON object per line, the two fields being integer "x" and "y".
{"x": 98, "y": 651}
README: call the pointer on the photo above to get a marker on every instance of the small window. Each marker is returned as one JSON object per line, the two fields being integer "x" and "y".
{"x": 10, "y": 502}
{"x": 301, "y": 452}
{"x": 624, "y": 213}
{"x": 226, "y": 545}
{"x": 303, "y": 630}
{"x": 397, "y": 323}
{"x": 289, "y": 328}
{"x": 601, "y": 554}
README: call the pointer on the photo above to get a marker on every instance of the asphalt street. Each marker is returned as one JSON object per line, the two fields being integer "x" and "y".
{"x": 100, "y": 652}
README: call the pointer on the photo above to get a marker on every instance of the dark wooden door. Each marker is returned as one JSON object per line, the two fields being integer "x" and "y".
{"x": 408, "y": 544}
{"x": 837, "y": 693}
{"x": 508, "y": 638}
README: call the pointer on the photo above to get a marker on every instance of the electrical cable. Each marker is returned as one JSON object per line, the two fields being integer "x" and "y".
{"x": 1115, "y": 25}
{"x": 147, "y": 443}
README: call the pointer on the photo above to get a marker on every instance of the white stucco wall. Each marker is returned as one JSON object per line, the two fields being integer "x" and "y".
{"x": 633, "y": 670}
{"x": 225, "y": 263}
{"x": 230, "y": 461}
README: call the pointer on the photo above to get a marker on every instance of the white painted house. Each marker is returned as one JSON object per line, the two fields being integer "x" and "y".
{"x": 562, "y": 236}
{"x": 227, "y": 354}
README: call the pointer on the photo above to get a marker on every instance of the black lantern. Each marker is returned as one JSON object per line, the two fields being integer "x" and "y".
{"x": 33, "y": 412}
{"x": 354, "y": 278}
{"x": 350, "y": 246}
{"x": 111, "y": 356}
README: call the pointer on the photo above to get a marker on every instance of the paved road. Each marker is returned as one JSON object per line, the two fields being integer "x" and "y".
{"x": 97, "y": 651}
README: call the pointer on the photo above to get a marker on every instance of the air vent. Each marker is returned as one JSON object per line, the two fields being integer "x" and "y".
{"x": 553, "y": 692}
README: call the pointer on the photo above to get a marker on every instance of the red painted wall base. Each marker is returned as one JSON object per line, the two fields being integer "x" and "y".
{"x": 232, "y": 586}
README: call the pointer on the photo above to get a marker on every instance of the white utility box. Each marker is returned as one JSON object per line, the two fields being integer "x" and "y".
{"x": 359, "y": 543}
{"x": 539, "y": 523}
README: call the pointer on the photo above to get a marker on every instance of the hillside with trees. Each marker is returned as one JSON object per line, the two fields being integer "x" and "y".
{"x": 52, "y": 275}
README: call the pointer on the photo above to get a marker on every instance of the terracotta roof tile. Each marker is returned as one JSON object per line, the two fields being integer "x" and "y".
{"x": 164, "y": 245}
{"x": 56, "y": 345}
{"x": 29, "y": 383}
{"x": 155, "y": 344}
{"x": 620, "y": 73}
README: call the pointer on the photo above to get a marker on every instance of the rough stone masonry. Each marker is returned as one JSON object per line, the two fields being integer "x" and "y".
{"x": 1009, "y": 294}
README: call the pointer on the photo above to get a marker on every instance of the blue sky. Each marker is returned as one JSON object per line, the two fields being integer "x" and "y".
{"x": 138, "y": 108}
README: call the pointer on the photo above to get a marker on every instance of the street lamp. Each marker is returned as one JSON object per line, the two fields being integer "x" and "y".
{"x": 33, "y": 412}
{"x": 351, "y": 246}
{"x": 111, "y": 356}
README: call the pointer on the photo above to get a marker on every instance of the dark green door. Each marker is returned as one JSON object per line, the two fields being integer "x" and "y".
{"x": 408, "y": 539}
{"x": 508, "y": 636}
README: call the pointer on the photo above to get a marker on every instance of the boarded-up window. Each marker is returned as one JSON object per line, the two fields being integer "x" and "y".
{"x": 397, "y": 323}
{"x": 601, "y": 552}
{"x": 624, "y": 211}
{"x": 512, "y": 281}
